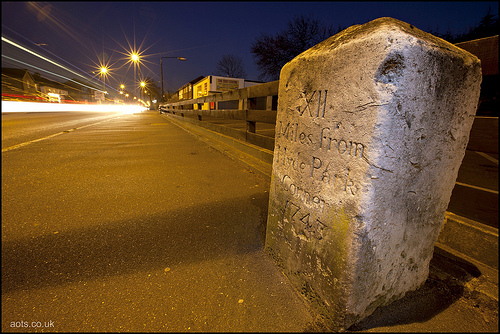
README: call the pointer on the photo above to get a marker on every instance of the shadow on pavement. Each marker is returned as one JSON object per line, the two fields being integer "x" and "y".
{"x": 445, "y": 285}
{"x": 417, "y": 306}
{"x": 188, "y": 235}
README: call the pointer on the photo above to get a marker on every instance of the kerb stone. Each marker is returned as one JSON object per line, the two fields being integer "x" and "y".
{"x": 371, "y": 130}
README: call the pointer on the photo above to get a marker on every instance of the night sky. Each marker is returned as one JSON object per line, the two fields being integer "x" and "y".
{"x": 77, "y": 34}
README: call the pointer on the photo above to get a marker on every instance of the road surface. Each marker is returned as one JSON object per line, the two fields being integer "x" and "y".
{"x": 129, "y": 223}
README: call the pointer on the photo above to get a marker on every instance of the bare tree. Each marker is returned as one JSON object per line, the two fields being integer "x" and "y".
{"x": 487, "y": 26}
{"x": 230, "y": 66}
{"x": 271, "y": 53}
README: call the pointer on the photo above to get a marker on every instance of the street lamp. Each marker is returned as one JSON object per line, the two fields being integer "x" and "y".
{"x": 103, "y": 72}
{"x": 122, "y": 89}
{"x": 143, "y": 84}
{"x": 135, "y": 58}
{"x": 161, "y": 69}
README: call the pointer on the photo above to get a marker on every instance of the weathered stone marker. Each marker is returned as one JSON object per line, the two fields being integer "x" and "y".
{"x": 371, "y": 130}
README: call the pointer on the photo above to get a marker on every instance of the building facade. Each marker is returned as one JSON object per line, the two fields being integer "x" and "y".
{"x": 213, "y": 84}
{"x": 18, "y": 84}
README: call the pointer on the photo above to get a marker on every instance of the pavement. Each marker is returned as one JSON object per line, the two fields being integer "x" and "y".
{"x": 138, "y": 225}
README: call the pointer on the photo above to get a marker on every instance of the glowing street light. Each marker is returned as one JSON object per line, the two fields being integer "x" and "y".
{"x": 136, "y": 59}
{"x": 143, "y": 84}
{"x": 103, "y": 72}
{"x": 161, "y": 69}
{"x": 122, "y": 90}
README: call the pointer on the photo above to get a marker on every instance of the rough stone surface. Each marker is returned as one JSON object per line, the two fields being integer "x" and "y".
{"x": 371, "y": 130}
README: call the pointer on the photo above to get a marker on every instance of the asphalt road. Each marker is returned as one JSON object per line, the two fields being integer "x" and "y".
{"x": 19, "y": 128}
{"x": 133, "y": 224}
{"x": 129, "y": 223}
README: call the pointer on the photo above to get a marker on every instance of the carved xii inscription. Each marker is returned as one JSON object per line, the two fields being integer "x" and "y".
{"x": 313, "y": 105}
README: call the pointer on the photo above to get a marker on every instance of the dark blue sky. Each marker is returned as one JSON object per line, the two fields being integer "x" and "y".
{"x": 76, "y": 34}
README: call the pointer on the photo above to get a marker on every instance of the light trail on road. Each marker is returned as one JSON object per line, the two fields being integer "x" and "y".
{"x": 20, "y": 106}
{"x": 40, "y": 56}
{"x": 53, "y": 135}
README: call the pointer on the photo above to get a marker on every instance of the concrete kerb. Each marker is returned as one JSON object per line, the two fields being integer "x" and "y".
{"x": 258, "y": 159}
{"x": 473, "y": 244}
{"x": 483, "y": 288}
{"x": 473, "y": 239}
{"x": 478, "y": 281}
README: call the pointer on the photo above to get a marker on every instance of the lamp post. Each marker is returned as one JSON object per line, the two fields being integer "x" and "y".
{"x": 143, "y": 84}
{"x": 161, "y": 69}
{"x": 104, "y": 71}
{"x": 135, "y": 59}
{"x": 122, "y": 91}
